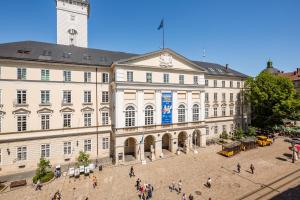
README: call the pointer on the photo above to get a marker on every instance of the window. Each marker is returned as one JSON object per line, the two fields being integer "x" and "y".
{"x": 45, "y": 150}
{"x": 67, "y": 120}
{"x": 223, "y": 97}
{"x": 231, "y": 111}
{"x": 21, "y": 97}
{"x": 105, "y": 97}
{"x": 166, "y": 78}
{"x": 87, "y": 119}
{"x": 216, "y": 130}
{"x": 195, "y": 112}
{"x": 215, "y": 96}
{"x": 21, "y": 73}
{"x": 238, "y": 85}
{"x": 72, "y": 17}
{"x": 0, "y": 97}
{"x": 67, "y": 96}
{"x": 22, "y": 122}
{"x": 181, "y": 113}
{"x": 215, "y": 83}
{"x": 223, "y": 84}
{"x": 130, "y": 76}
{"x": 231, "y": 96}
{"x": 45, "y": 75}
{"x": 224, "y": 128}
{"x": 87, "y": 77}
{"x": 130, "y": 116}
{"x": 149, "y": 115}
{"x": 195, "y": 80}
{"x": 0, "y": 157}
{"x": 207, "y": 131}
{"x": 67, "y": 148}
{"x": 149, "y": 77}
{"x": 105, "y": 143}
{"x": 181, "y": 79}
{"x": 21, "y": 153}
{"x": 45, "y": 97}
{"x": 87, "y": 145}
{"x": 206, "y": 82}
{"x": 231, "y": 128}
{"x": 206, "y": 113}
{"x": 104, "y": 118}
{"x": 206, "y": 98}
{"x": 105, "y": 78}
{"x": 238, "y": 97}
{"x": 87, "y": 97}
{"x": 67, "y": 76}
{"x": 223, "y": 111}
{"x": 215, "y": 112}
{"x": 238, "y": 110}
{"x": 231, "y": 84}
{"x": 45, "y": 122}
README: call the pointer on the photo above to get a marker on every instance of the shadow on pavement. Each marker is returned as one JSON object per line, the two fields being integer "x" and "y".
{"x": 282, "y": 159}
{"x": 290, "y": 194}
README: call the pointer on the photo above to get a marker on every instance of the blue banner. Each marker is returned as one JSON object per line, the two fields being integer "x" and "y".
{"x": 166, "y": 104}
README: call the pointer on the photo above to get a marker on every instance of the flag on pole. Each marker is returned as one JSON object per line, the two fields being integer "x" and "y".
{"x": 161, "y": 25}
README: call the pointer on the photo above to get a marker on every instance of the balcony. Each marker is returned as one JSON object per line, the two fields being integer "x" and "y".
{"x": 20, "y": 103}
{"x": 66, "y": 103}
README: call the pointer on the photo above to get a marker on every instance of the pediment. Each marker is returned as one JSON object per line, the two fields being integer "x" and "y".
{"x": 45, "y": 110}
{"x": 87, "y": 109}
{"x": 164, "y": 59}
{"x": 231, "y": 104}
{"x": 223, "y": 105}
{"x": 67, "y": 109}
{"x": 2, "y": 112}
{"x": 105, "y": 108}
{"x": 21, "y": 111}
{"x": 207, "y": 105}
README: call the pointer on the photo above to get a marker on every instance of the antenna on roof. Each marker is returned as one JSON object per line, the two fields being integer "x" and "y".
{"x": 203, "y": 54}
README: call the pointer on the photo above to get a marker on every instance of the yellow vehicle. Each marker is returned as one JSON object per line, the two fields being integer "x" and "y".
{"x": 231, "y": 149}
{"x": 263, "y": 141}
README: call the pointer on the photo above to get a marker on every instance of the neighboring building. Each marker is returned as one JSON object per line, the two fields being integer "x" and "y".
{"x": 295, "y": 77}
{"x": 59, "y": 99}
{"x": 272, "y": 69}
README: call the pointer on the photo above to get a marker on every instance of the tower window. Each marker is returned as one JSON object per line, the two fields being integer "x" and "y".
{"x": 72, "y": 17}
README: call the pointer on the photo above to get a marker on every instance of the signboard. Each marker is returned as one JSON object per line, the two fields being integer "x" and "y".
{"x": 166, "y": 103}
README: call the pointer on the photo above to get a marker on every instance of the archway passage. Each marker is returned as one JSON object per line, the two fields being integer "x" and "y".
{"x": 166, "y": 142}
{"x": 196, "y": 138}
{"x": 182, "y": 139}
{"x": 148, "y": 142}
{"x": 130, "y": 149}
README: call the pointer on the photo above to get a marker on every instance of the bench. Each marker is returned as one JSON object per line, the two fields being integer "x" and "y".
{"x": 19, "y": 183}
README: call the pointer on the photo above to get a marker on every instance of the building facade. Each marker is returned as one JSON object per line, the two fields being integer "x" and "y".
{"x": 59, "y": 99}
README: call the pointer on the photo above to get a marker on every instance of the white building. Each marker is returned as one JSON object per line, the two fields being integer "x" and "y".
{"x": 59, "y": 99}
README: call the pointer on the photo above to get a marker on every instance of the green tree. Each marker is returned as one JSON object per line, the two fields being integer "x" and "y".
{"x": 272, "y": 99}
{"x": 43, "y": 172}
{"x": 224, "y": 135}
{"x": 239, "y": 133}
{"x": 83, "y": 159}
{"x": 251, "y": 131}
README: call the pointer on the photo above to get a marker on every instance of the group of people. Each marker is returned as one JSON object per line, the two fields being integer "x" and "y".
{"x": 239, "y": 168}
{"x": 145, "y": 190}
{"x": 56, "y": 196}
{"x": 178, "y": 189}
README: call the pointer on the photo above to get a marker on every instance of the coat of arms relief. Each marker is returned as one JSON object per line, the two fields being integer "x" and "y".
{"x": 166, "y": 60}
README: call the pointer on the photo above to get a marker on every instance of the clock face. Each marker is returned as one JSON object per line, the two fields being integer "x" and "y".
{"x": 72, "y": 32}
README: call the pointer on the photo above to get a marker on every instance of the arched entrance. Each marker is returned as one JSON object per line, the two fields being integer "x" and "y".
{"x": 196, "y": 138}
{"x": 166, "y": 142}
{"x": 149, "y": 140}
{"x": 182, "y": 139}
{"x": 130, "y": 149}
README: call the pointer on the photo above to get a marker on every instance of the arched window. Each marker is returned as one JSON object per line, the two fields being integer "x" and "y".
{"x": 195, "y": 112}
{"x": 149, "y": 115}
{"x": 181, "y": 113}
{"x": 130, "y": 116}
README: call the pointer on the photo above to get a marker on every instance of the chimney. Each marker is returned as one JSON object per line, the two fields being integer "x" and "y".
{"x": 298, "y": 70}
{"x": 226, "y": 66}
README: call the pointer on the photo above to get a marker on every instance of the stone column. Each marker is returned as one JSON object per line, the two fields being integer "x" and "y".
{"x": 119, "y": 108}
{"x": 158, "y": 147}
{"x": 202, "y": 106}
{"x": 174, "y": 114}
{"x": 157, "y": 107}
{"x": 140, "y": 108}
{"x": 189, "y": 107}
{"x": 203, "y": 137}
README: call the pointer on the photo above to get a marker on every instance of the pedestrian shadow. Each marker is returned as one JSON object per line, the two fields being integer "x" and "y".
{"x": 282, "y": 159}
{"x": 198, "y": 193}
{"x": 248, "y": 171}
{"x": 206, "y": 185}
{"x": 288, "y": 155}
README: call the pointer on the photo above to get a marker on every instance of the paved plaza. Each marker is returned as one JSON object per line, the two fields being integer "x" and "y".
{"x": 273, "y": 170}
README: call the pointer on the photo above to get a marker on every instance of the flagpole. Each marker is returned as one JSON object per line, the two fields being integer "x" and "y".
{"x": 164, "y": 36}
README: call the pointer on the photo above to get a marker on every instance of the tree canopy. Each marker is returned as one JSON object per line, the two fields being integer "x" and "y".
{"x": 272, "y": 99}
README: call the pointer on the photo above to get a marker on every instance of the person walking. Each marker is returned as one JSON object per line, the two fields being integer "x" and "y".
{"x": 173, "y": 186}
{"x": 191, "y": 197}
{"x": 131, "y": 172}
{"x": 184, "y": 196}
{"x": 238, "y": 167}
{"x": 94, "y": 182}
{"x": 252, "y": 168}
{"x": 179, "y": 186}
{"x": 208, "y": 182}
{"x": 138, "y": 184}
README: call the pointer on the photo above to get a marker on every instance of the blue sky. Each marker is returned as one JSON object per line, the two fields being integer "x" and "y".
{"x": 244, "y": 34}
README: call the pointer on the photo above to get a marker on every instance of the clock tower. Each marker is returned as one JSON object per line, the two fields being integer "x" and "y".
{"x": 72, "y": 22}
